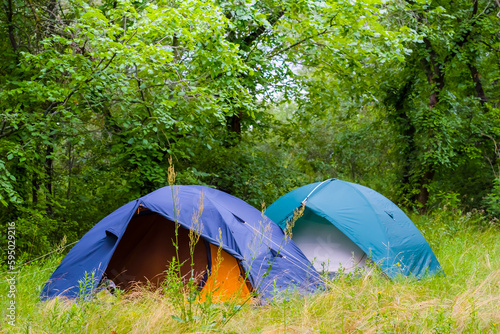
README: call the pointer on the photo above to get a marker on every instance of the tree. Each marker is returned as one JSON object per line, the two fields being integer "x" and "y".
{"x": 437, "y": 103}
{"x": 445, "y": 133}
{"x": 96, "y": 96}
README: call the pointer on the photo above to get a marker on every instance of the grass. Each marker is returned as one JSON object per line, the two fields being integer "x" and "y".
{"x": 466, "y": 300}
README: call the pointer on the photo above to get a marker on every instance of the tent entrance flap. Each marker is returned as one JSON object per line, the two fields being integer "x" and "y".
{"x": 147, "y": 249}
{"x": 227, "y": 278}
{"x": 325, "y": 245}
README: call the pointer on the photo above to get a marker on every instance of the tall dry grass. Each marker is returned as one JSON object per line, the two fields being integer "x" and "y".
{"x": 466, "y": 299}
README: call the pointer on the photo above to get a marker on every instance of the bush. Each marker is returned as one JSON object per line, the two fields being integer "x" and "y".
{"x": 37, "y": 234}
{"x": 492, "y": 200}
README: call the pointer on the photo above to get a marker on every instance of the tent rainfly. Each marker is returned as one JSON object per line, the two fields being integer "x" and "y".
{"x": 136, "y": 243}
{"x": 344, "y": 224}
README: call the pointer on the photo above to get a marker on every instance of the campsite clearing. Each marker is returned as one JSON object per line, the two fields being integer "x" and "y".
{"x": 465, "y": 300}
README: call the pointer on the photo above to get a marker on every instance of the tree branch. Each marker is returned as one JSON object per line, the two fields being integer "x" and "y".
{"x": 141, "y": 91}
{"x": 465, "y": 37}
{"x": 255, "y": 34}
{"x": 275, "y": 52}
{"x": 8, "y": 133}
{"x": 10, "y": 24}
{"x": 90, "y": 78}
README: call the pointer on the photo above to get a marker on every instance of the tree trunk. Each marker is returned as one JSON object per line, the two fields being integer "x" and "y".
{"x": 9, "y": 10}
{"x": 234, "y": 123}
{"x": 49, "y": 162}
{"x": 435, "y": 78}
{"x": 70, "y": 168}
{"x": 476, "y": 77}
{"x": 423, "y": 196}
{"x": 35, "y": 186}
{"x": 406, "y": 127}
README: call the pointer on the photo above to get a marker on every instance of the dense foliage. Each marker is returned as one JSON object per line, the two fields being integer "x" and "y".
{"x": 252, "y": 97}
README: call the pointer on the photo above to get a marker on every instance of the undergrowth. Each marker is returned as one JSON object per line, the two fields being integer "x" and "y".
{"x": 465, "y": 299}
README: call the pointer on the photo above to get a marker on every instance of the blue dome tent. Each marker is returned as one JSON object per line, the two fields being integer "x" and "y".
{"x": 135, "y": 244}
{"x": 343, "y": 224}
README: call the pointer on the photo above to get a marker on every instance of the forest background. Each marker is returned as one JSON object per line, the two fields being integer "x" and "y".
{"x": 252, "y": 97}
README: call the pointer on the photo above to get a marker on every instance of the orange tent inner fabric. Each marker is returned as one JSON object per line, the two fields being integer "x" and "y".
{"x": 147, "y": 249}
{"x": 227, "y": 279}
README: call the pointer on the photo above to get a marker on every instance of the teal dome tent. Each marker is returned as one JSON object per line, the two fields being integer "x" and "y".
{"x": 344, "y": 224}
